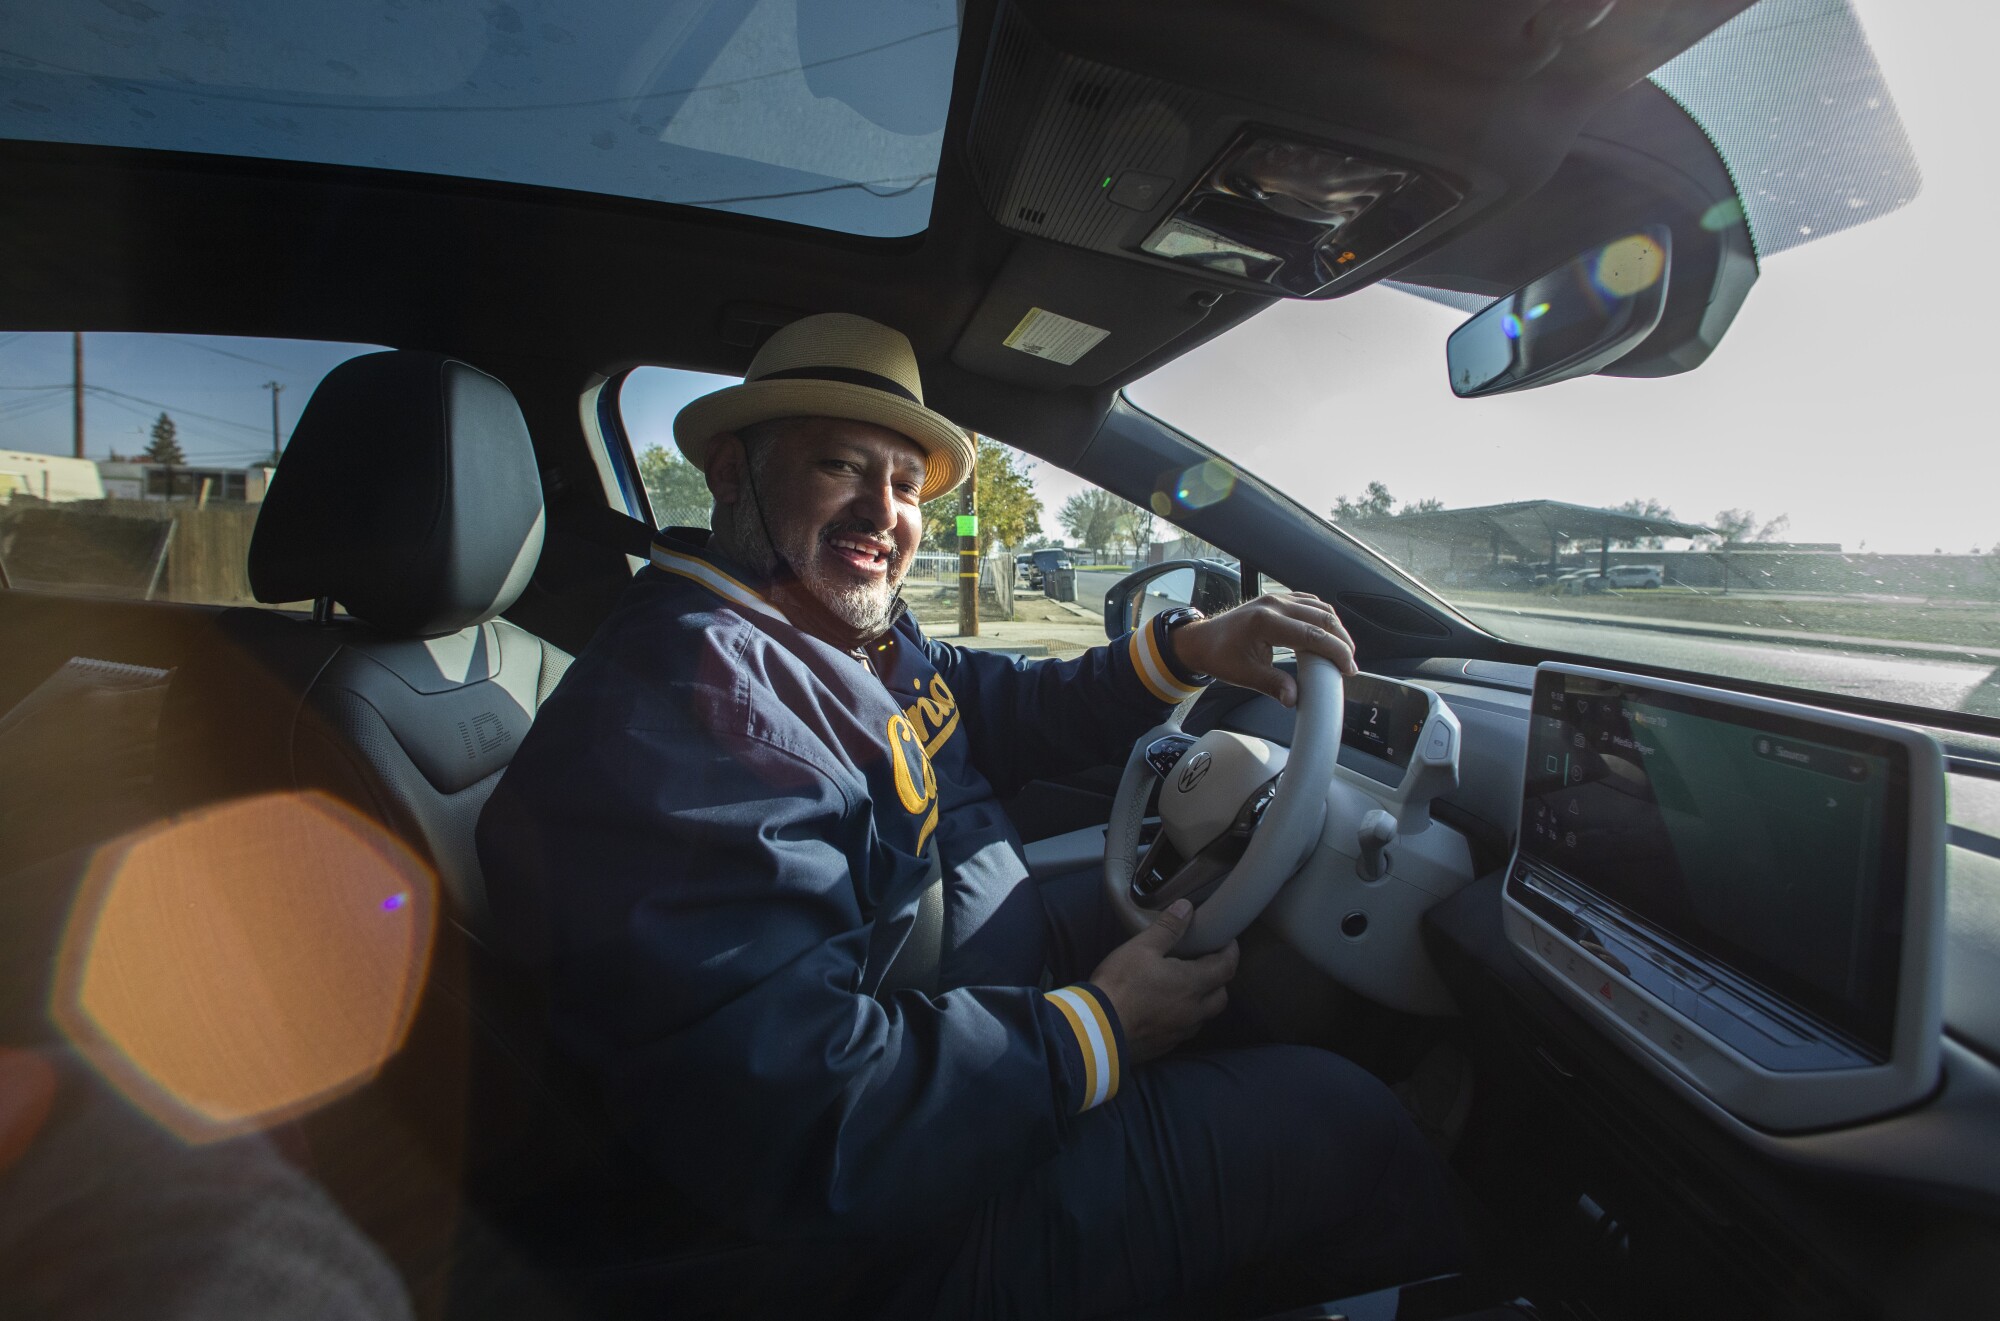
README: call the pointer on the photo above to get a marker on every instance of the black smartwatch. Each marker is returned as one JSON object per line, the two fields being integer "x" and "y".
{"x": 1166, "y": 622}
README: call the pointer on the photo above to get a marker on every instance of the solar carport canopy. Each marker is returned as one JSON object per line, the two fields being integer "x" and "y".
{"x": 1525, "y": 529}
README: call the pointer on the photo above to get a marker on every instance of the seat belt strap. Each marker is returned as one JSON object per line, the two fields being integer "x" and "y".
{"x": 916, "y": 965}
{"x": 605, "y": 526}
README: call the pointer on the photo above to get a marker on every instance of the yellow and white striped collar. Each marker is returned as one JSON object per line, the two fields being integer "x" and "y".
{"x": 705, "y": 573}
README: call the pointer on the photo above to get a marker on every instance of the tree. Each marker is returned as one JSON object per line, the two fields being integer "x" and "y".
{"x": 1004, "y": 489}
{"x": 1375, "y": 502}
{"x": 1736, "y": 526}
{"x": 1095, "y": 518}
{"x": 1647, "y": 508}
{"x": 165, "y": 449}
{"x": 1140, "y": 527}
{"x": 675, "y": 488}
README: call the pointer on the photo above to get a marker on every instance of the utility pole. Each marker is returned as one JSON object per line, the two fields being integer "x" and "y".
{"x": 275, "y": 390}
{"x": 76, "y": 356}
{"x": 968, "y": 556}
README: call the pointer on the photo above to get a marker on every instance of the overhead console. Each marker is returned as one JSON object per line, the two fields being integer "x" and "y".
{"x": 1071, "y": 149}
{"x": 1748, "y": 895}
{"x": 1161, "y": 187}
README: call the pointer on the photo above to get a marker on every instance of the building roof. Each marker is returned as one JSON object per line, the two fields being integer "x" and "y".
{"x": 1527, "y": 528}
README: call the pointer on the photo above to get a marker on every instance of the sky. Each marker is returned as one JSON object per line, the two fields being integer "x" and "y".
{"x": 1852, "y": 394}
{"x": 211, "y": 385}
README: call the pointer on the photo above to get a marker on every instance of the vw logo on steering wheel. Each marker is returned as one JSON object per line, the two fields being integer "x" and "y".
{"x": 1192, "y": 773}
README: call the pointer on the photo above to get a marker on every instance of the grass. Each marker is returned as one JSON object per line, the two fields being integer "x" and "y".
{"x": 1954, "y": 623}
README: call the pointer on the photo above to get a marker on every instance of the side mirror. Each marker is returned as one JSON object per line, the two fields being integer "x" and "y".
{"x": 1209, "y": 585}
{"x": 1582, "y": 316}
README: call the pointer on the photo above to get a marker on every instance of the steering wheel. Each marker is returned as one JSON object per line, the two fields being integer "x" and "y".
{"x": 1238, "y": 815}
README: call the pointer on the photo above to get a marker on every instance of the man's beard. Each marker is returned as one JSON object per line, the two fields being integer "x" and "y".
{"x": 866, "y": 607}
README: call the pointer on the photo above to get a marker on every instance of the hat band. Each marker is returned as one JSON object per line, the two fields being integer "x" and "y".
{"x": 843, "y": 375}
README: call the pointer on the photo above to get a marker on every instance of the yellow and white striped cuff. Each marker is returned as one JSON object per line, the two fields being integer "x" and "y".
{"x": 1153, "y": 669}
{"x": 1094, "y": 1038}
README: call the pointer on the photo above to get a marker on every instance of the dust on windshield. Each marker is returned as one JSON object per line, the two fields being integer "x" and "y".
{"x": 1809, "y": 507}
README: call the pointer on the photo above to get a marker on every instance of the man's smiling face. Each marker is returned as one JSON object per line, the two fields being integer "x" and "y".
{"x": 840, "y": 502}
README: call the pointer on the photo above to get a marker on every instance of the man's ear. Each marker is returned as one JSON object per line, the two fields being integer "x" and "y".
{"x": 727, "y": 464}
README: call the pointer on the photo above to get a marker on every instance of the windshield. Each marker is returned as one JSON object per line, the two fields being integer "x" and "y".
{"x": 1813, "y": 504}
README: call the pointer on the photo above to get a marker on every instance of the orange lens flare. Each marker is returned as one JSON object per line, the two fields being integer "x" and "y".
{"x": 237, "y": 967}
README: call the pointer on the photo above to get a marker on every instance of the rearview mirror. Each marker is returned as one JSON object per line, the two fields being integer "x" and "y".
{"x": 1581, "y": 316}
{"x": 1209, "y": 585}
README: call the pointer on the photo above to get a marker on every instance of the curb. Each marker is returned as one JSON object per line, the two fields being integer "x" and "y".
{"x": 1795, "y": 637}
{"x": 998, "y": 644}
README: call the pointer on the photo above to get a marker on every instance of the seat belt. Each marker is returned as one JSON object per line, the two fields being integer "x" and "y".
{"x": 915, "y": 967}
{"x": 605, "y": 526}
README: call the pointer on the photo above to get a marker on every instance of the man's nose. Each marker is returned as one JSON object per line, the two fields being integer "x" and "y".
{"x": 875, "y": 502}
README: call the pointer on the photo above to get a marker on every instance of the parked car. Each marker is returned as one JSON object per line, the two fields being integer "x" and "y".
{"x": 1036, "y": 565}
{"x": 1636, "y": 575}
{"x": 1578, "y": 582}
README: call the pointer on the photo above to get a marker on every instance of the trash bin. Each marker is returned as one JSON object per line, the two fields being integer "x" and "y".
{"x": 1060, "y": 584}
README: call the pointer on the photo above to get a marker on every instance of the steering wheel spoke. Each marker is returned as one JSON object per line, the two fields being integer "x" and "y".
{"x": 1238, "y": 816}
{"x": 1166, "y": 751}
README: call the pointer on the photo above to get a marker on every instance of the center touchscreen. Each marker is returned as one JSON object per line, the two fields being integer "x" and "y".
{"x": 1767, "y": 848}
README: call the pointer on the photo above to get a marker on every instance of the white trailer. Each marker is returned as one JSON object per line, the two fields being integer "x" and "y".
{"x": 51, "y": 477}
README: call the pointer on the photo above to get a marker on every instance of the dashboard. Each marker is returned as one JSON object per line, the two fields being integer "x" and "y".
{"x": 1462, "y": 872}
{"x": 1769, "y": 1206}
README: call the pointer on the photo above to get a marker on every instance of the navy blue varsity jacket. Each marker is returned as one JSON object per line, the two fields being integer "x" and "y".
{"x": 714, "y": 839}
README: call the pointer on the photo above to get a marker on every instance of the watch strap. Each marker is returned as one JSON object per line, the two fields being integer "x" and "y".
{"x": 1166, "y": 622}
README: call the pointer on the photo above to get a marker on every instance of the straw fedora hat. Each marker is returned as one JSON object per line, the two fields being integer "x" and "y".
{"x": 835, "y": 364}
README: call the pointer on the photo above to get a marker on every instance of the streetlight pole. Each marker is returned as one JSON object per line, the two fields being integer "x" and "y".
{"x": 275, "y": 390}
{"x": 76, "y": 357}
{"x": 968, "y": 556}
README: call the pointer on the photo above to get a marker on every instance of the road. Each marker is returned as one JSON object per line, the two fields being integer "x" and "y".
{"x": 1943, "y": 684}
{"x": 1092, "y": 584}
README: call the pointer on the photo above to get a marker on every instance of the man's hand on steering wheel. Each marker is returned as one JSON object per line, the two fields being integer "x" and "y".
{"x": 1235, "y": 646}
{"x": 1161, "y": 1001}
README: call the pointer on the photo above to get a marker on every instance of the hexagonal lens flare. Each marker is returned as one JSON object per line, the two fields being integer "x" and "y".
{"x": 242, "y": 965}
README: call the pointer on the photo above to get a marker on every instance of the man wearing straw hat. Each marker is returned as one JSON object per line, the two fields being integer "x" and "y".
{"x": 788, "y": 931}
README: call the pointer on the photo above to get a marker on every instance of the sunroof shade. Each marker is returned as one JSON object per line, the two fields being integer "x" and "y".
{"x": 822, "y": 112}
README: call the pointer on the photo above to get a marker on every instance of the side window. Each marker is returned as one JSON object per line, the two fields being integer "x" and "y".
{"x": 648, "y": 398}
{"x": 1050, "y": 544}
{"x": 134, "y": 465}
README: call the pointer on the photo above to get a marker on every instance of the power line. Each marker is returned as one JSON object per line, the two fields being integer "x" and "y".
{"x": 18, "y": 408}
{"x": 173, "y": 408}
{"x": 185, "y": 437}
{"x": 210, "y": 348}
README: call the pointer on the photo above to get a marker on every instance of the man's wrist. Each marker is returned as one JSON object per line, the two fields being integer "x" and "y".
{"x": 1170, "y": 624}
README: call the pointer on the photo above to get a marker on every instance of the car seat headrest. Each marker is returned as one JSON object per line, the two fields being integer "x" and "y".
{"x": 409, "y": 494}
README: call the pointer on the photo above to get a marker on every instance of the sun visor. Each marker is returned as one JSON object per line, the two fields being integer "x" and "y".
{"x": 1055, "y": 318}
